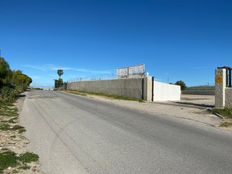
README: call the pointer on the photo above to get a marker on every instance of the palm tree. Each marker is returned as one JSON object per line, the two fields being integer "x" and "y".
{"x": 60, "y": 72}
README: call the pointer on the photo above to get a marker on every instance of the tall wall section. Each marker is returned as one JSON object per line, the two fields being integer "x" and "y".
{"x": 133, "y": 88}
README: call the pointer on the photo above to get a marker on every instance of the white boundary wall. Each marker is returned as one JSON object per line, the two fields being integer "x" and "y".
{"x": 166, "y": 92}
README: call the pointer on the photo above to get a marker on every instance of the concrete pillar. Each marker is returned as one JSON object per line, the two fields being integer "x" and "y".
{"x": 220, "y": 88}
{"x": 147, "y": 93}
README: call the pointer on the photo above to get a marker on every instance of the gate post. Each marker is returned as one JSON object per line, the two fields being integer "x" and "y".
{"x": 220, "y": 88}
{"x": 147, "y": 92}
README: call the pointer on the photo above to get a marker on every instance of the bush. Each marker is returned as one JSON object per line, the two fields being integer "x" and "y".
{"x": 19, "y": 89}
{"x": 12, "y": 83}
{"x": 8, "y": 159}
{"x": 8, "y": 94}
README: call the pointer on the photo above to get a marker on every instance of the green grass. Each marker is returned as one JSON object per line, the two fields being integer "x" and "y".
{"x": 8, "y": 109}
{"x": 8, "y": 159}
{"x": 84, "y": 93}
{"x": 11, "y": 159}
{"x": 77, "y": 92}
{"x": 12, "y": 120}
{"x": 37, "y": 88}
{"x": 9, "y": 114}
{"x": 28, "y": 157}
{"x": 227, "y": 112}
{"x": 18, "y": 128}
{"x": 6, "y": 127}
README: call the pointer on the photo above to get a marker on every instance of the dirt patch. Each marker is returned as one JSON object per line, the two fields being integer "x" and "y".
{"x": 205, "y": 100}
{"x": 226, "y": 124}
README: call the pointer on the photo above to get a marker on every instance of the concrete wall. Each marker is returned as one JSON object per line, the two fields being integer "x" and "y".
{"x": 228, "y": 97}
{"x": 139, "y": 88}
{"x": 133, "y": 88}
{"x": 166, "y": 92}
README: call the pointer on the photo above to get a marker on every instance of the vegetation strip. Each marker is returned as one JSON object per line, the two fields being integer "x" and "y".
{"x": 226, "y": 114}
{"x": 13, "y": 158}
{"x": 9, "y": 158}
{"x": 85, "y": 93}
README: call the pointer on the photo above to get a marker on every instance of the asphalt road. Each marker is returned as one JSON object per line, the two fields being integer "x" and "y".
{"x": 74, "y": 134}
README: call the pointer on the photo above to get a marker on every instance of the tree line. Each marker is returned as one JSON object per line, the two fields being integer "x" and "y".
{"x": 12, "y": 82}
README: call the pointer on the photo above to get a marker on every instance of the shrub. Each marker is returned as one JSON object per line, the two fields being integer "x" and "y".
{"x": 8, "y": 94}
{"x": 7, "y": 159}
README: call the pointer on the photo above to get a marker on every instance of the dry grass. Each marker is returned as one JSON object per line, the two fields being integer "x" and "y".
{"x": 227, "y": 112}
{"x": 226, "y": 123}
{"x": 84, "y": 93}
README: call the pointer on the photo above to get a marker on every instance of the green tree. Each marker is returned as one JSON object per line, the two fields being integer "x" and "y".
{"x": 20, "y": 80}
{"x": 4, "y": 72}
{"x": 181, "y": 84}
{"x": 11, "y": 82}
{"x": 4, "y": 68}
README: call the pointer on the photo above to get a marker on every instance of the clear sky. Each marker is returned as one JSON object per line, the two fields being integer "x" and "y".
{"x": 175, "y": 39}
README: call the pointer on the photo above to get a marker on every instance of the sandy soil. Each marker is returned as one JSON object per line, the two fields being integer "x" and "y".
{"x": 199, "y": 99}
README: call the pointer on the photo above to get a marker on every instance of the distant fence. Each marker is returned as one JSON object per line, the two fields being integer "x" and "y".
{"x": 201, "y": 90}
{"x": 166, "y": 92}
{"x": 93, "y": 78}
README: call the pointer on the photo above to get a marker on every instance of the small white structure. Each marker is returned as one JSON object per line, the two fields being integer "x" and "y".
{"x": 165, "y": 92}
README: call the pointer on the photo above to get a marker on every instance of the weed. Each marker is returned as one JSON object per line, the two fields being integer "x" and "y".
{"x": 8, "y": 159}
{"x": 15, "y": 171}
{"x": 78, "y": 93}
{"x": 18, "y": 128}
{"x": 84, "y": 93}
{"x": 24, "y": 167}
{"x": 28, "y": 157}
{"x": 7, "y": 110}
{"x": 13, "y": 136}
{"x": 12, "y": 120}
{"x": 227, "y": 112}
{"x": 5, "y": 127}
{"x": 226, "y": 124}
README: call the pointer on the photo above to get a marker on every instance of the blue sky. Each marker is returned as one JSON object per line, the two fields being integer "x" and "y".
{"x": 175, "y": 39}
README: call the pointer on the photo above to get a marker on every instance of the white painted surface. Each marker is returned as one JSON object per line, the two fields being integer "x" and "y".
{"x": 166, "y": 92}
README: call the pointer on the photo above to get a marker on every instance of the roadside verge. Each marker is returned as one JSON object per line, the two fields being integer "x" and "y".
{"x": 14, "y": 157}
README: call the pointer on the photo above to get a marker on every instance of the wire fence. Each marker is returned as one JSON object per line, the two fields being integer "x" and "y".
{"x": 94, "y": 77}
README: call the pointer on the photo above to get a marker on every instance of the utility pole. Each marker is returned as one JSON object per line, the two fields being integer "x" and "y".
{"x": 0, "y": 52}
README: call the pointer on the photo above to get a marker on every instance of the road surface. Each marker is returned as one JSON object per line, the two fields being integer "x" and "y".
{"x": 75, "y": 134}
